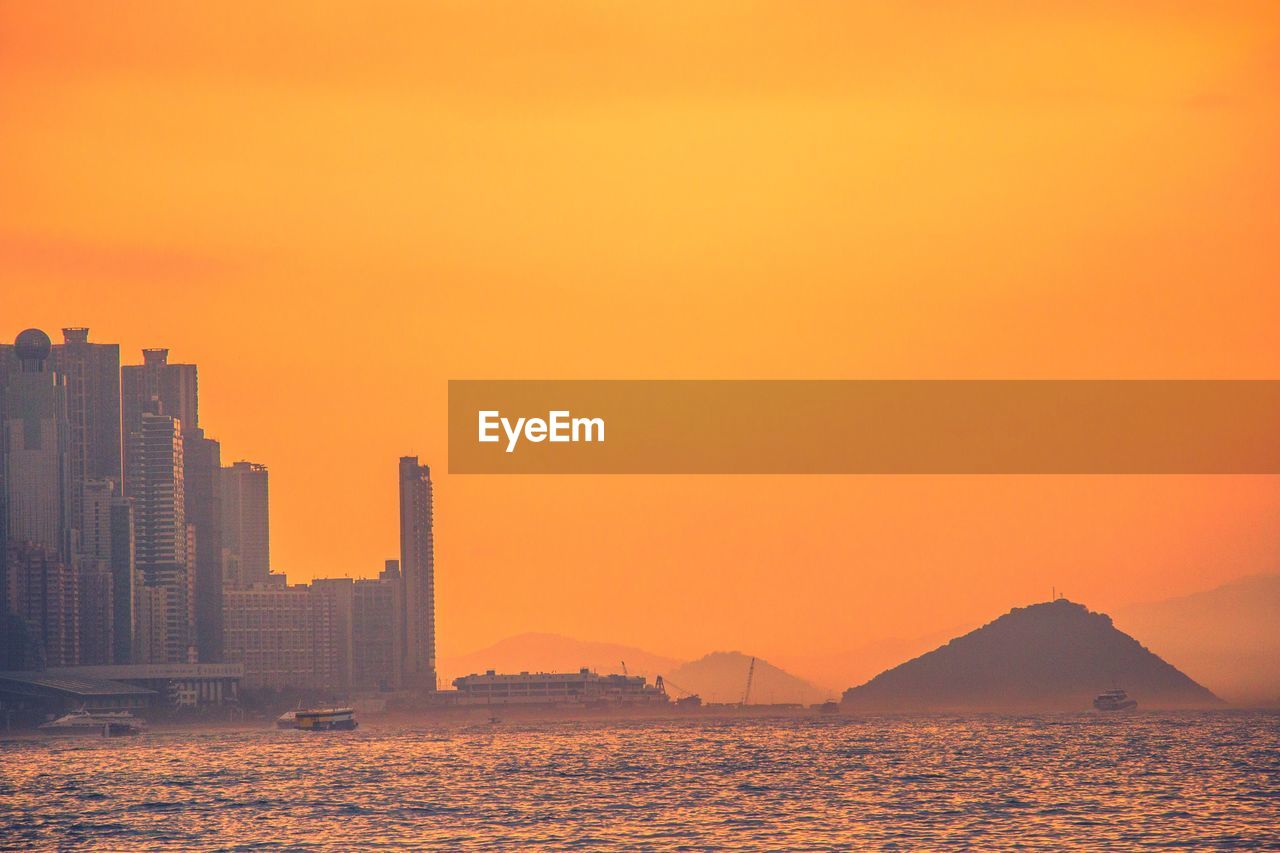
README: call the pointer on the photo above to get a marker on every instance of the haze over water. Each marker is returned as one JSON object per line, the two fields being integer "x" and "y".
{"x": 1068, "y": 781}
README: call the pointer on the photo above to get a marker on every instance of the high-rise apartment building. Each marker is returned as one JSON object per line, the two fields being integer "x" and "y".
{"x": 417, "y": 568}
{"x": 38, "y": 576}
{"x": 41, "y": 589}
{"x": 246, "y": 528}
{"x": 159, "y": 388}
{"x": 202, "y": 470}
{"x": 92, "y": 375}
{"x": 163, "y": 540}
{"x": 36, "y": 463}
{"x": 107, "y": 546}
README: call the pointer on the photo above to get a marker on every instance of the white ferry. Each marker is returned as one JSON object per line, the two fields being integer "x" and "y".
{"x": 1114, "y": 699}
{"x": 96, "y": 723}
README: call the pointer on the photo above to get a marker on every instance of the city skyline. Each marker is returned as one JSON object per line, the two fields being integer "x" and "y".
{"x": 124, "y": 542}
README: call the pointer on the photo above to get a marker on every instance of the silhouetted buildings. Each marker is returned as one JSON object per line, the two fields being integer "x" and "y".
{"x": 159, "y": 388}
{"x": 202, "y": 482}
{"x": 126, "y": 546}
{"x": 583, "y": 687}
{"x": 107, "y": 547}
{"x": 166, "y": 609}
{"x": 40, "y": 585}
{"x": 246, "y": 527}
{"x": 417, "y": 567}
{"x": 283, "y": 635}
{"x": 375, "y": 620}
{"x": 41, "y": 590}
{"x": 92, "y": 375}
{"x": 37, "y": 472}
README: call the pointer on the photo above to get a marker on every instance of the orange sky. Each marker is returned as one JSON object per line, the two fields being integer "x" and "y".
{"x": 333, "y": 212}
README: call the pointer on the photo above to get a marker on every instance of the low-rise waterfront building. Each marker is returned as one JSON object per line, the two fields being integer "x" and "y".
{"x": 182, "y": 685}
{"x": 583, "y": 687}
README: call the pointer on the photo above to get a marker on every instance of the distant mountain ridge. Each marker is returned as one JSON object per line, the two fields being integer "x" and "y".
{"x": 722, "y": 677}
{"x": 1227, "y": 638}
{"x": 1054, "y": 656}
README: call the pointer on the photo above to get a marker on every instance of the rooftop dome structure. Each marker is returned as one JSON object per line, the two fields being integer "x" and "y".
{"x": 32, "y": 345}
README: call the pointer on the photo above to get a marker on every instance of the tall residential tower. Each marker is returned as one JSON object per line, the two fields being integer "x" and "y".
{"x": 246, "y": 527}
{"x": 417, "y": 566}
{"x": 166, "y": 606}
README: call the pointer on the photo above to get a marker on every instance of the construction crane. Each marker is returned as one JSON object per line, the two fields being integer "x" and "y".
{"x": 751, "y": 674}
{"x": 662, "y": 684}
{"x": 689, "y": 700}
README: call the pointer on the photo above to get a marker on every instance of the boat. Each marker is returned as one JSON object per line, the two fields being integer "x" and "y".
{"x": 1114, "y": 699}
{"x": 94, "y": 723}
{"x": 318, "y": 720}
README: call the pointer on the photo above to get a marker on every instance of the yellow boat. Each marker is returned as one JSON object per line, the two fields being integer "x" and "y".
{"x": 322, "y": 720}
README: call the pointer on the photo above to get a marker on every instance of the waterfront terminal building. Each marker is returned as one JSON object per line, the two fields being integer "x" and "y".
{"x": 583, "y": 688}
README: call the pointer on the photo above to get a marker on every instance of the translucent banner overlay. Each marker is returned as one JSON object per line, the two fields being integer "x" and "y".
{"x": 864, "y": 427}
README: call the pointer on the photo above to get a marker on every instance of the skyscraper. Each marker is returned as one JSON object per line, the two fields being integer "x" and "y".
{"x": 107, "y": 547}
{"x": 166, "y": 612}
{"x": 159, "y": 388}
{"x": 92, "y": 373}
{"x": 246, "y": 527}
{"x": 417, "y": 566}
{"x": 36, "y": 436}
{"x": 39, "y": 581}
{"x": 202, "y": 469}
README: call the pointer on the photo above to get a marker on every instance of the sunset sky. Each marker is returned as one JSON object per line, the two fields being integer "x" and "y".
{"x": 334, "y": 209}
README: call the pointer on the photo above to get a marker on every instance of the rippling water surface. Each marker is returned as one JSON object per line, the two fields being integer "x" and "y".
{"x": 1057, "y": 781}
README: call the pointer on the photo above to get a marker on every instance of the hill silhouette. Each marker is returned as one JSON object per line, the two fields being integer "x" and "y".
{"x": 722, "y": 677}
{"x": 1228, "y": 638}
{"x": 1054, "y": 656}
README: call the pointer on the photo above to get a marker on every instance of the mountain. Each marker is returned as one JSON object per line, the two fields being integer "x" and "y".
{"x": 1054, "y": 656}
{"x": 554, "y": 653}
{"x": 1227, "y": 638}
{"x": 722, "y": 677}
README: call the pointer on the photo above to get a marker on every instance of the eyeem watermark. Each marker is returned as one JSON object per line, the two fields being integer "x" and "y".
{"x": 559, "y": 426}
{"x": 864, "y": 427}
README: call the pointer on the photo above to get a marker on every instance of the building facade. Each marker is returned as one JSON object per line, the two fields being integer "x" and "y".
{"x": 202, "y": 484}
{"x": 246, "y": 524}
{"x": 42, "y": 590}
{"x": 375, "y": 627}
{"x": 159, "y": 388}
{"x": 38, "y": 572}
{"x": 417, "y": 569}
{"x": 36, "y": 433}
{"x": 284, "y": 636}
{"x": 583, "y": 687}
{"x": 166, "y": 608}
{"x": 107, "y": 548}
{"x": 92, "y": 375}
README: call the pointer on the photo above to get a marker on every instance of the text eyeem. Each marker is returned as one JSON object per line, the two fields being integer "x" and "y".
{"x": 559, "y": 426}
